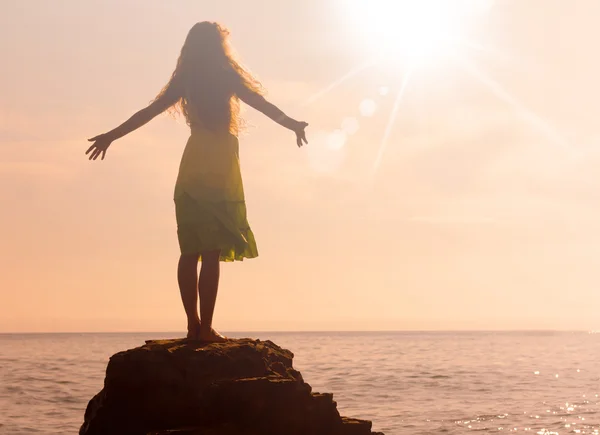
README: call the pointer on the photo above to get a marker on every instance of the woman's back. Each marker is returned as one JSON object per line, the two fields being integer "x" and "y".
{"x": 207, "y": 80}
{"x": 211, "y": 108}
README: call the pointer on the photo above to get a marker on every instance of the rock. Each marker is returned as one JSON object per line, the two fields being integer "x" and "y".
{"x": 180, "y": 387}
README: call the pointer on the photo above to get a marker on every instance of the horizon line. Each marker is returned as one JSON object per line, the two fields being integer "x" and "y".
{"x": 589, "y": 331}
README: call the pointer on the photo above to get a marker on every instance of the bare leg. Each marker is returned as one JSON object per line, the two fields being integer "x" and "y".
{"x": 187, "y": 276}
{"x": 208, "y": 284}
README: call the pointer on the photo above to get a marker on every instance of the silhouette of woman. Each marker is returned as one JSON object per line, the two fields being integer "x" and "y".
{"x": 210, "y": 209}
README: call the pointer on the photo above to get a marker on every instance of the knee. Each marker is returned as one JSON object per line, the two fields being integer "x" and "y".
{"x": 211, "y": 257}
{"x": 189, "y": 258}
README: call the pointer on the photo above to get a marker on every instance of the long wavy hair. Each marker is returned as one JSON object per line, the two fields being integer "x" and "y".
{"x": 207, "y": 78}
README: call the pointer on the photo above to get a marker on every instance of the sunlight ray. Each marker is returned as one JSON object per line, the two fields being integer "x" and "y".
{"x": 498, "y": 90}
{"x": 518, "y": 66}
{"x": 354, "y": 71}
{"x": 391, "y": 120}
{"x": 480, "y": 48}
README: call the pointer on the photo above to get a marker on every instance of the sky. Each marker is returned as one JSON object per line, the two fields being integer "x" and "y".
{"x": 472, "y": 201}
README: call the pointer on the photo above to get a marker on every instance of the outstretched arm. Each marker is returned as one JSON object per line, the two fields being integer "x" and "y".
{"x": 259, "y": 102}
{"x": 103, "y": 141}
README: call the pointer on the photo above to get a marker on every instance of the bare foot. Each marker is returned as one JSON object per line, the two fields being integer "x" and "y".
{"x": 193, "y": 331}
{"x": 210, "y": 336}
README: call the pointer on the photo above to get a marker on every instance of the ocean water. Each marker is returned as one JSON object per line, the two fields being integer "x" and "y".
{"x": 405, "y": 382}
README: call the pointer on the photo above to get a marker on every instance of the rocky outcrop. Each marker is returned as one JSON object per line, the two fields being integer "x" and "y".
{"x": 181, "y": 387}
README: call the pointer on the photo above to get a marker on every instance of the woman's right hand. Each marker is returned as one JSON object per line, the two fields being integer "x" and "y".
{"x": 101, "y": 144}
{"x": 300, "y": 134}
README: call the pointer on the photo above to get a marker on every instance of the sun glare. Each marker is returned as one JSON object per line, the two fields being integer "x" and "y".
{"x": 414, "y": 31}
{"x": 409, "y": 35}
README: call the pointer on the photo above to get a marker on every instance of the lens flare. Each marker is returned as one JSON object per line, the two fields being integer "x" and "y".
{"x": 367, "y": 107}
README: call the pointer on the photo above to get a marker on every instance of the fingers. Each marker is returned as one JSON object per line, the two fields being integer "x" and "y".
{"x": 98, "y": 149}
{"x": 301, "y": 135}
{"x": 96, "y": 153}
{"x": 300, "y": 139}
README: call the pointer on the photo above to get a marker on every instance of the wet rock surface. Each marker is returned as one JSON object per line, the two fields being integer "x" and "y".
{"x": 182, "y": 387}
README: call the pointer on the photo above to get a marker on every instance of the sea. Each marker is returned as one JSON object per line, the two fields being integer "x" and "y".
{"x": 542, "y": 383}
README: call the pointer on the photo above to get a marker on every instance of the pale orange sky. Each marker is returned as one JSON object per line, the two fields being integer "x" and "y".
{"x": 481, "y": 215}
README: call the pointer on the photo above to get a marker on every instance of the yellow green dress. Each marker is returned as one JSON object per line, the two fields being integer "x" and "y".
{"x": 209, "y": 197}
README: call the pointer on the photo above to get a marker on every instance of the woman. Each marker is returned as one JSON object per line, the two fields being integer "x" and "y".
{"x": 210, "y": 209}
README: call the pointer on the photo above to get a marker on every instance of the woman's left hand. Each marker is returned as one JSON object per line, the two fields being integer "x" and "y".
{"x": 101, "y": 144}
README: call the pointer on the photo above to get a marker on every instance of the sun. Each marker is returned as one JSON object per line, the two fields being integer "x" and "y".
{"x": 417, "y": 32}
{"x": 409, "y": 35}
